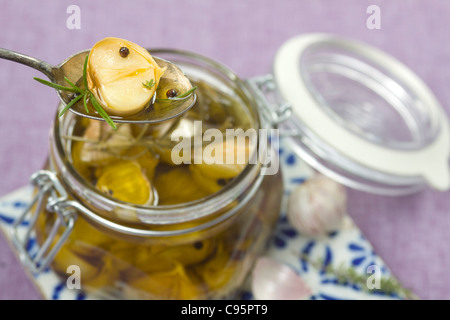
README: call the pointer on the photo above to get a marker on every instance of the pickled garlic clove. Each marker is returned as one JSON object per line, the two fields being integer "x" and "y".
{"x": 222, "y": 160}
{"x": 146, "y": 159}
{"x": 91, "y": 236}
{"x": 66, "y": 257}
{"x": 174, "y": 283}
{"x": 117, "y": 80}
{"x": 184, "y": 127}
{"x": 98, "y": 267}
{"x": 317, "y": 206}
{"x": 138, "y": 258}
{"x": 188, "y": 254}
{"x": 214, "y": 105}
{"x": 110, "y": 145}
{"x": 218, "y": 271}
{"x": 272, "y": 280}
{"x": 177, "y": 186}
{"x": 80, "y": 166}
{"x": 125, "y": 181}
{"x": 206, "y": 183}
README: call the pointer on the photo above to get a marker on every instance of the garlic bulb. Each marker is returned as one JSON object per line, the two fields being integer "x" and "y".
{"x": 317, "y": 206}
{"x": 272, "y": 280}
{"x": 122, "y": 75}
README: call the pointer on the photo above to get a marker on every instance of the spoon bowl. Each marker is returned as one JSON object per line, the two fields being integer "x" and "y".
{"x": 160, "y": 108}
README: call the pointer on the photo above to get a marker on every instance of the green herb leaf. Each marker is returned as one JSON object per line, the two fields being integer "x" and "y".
{"x": 187, "y": 93}
{"x": 85, "y": 83}
{"x": 57, "y": 86}
{"x": 180, "y": 97}
{"x": 149, "y": 84}
{"x": 71, "y": 103}
{"x": 73, "y": 85}
{"x": 85, "y": 102}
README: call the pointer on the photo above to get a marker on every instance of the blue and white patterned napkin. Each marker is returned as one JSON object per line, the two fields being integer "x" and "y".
{"x": 345, "y": 248}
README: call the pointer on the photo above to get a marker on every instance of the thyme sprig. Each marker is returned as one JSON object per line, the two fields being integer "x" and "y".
{"x": 149, "y": 84}
{"x": 80, "y": 94}
{"x": 345, "y": 274}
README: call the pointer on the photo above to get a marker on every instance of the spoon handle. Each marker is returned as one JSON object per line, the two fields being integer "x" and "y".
{"x": 37, "y": 64}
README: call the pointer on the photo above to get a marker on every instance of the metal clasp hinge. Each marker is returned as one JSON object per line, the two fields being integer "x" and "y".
{"x": 274, "y": 108}
{"x": 52, "y": 198}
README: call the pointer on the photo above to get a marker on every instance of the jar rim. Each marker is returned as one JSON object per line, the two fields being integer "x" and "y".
{"x": 165, "y": 214}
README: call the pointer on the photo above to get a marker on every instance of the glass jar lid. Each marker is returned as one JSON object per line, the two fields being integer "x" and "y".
{"x": 362, "y": 117}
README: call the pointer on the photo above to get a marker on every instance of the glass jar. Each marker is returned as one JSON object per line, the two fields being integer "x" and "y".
{"x": 201, "y": 249}
{"x": 349, "y": 110}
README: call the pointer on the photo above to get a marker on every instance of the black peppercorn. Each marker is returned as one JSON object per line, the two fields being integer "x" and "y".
{"x": 222, "y": 182}
{"x": 124, "y": 52}
{"x": 198, "y": 245}
{"x": 172, "y": 93}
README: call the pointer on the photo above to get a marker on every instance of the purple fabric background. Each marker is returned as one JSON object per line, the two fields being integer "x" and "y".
{"x": 410, "y": 233}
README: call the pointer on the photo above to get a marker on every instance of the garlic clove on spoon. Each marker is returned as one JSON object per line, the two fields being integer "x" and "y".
{"x": 317, "y": 206}
{"x": 122, "y": 75}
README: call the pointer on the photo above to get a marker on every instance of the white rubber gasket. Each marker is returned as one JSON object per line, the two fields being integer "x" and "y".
{"x": 430, "y": 162}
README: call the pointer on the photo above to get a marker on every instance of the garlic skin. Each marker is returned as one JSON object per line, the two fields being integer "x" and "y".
{"x": 272, "y": 280}
{"x": 117, "y": 81}
{"x": 317, "y": 206}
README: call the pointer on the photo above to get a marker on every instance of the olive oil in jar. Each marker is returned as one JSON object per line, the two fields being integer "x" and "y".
{"x": 134, "y": 165}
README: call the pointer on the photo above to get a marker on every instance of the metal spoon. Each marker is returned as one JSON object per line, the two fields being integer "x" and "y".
{"x": 72, "y": 68}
